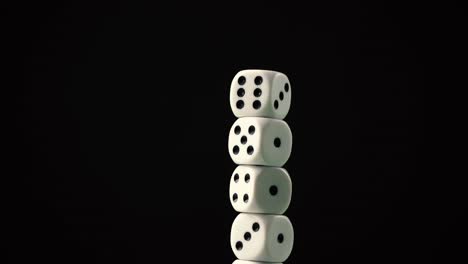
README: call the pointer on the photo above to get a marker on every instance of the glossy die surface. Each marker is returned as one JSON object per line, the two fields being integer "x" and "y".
{"x": 260, "y": 141}
{"x": 260, "y": 189}
{"x": 262, "y": 237}
{"x": 260, "y": 93}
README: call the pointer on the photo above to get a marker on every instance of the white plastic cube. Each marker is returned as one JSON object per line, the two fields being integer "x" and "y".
{"x": 262, "y": 237}
{"x": 260, "y": 93}
{"x": 260, "y": 141}
{"x": 260, "y": 189}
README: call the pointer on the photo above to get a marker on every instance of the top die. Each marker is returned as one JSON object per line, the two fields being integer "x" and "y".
{"x": 260, "y": 93}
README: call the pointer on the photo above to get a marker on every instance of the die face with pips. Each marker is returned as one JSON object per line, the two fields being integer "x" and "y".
{"x": 262, "y": 237}
{"x": 260, "y": 141}
{"x": 260, "y": 189}
{"x": 260, "y": 93}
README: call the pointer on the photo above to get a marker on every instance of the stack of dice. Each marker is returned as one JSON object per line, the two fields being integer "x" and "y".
{"x": 260, "y": 144}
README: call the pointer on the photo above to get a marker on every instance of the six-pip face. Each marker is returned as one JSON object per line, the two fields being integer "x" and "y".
{"x": 260, "y": 93}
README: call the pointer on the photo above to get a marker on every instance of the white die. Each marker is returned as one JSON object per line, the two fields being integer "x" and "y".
{"x": 262, "y": 237}
{"x": 237, "y": 261}
{"x": 260, "y": 141}
{"x": 260, "y": 93}
{"x": 260, "y": 189}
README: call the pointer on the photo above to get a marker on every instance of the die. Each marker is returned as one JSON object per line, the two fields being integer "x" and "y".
{"x": 262, "y": 237}
{"x": 260, "y": 141}
{"x": 260, "y": 93}
{"x": 260, "y": 189}
{"x": 238, "y": 261}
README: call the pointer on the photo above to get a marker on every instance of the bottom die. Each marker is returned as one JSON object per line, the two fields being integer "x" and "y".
{"x": 262, "y": 237}
{"x": 252, "y": 262}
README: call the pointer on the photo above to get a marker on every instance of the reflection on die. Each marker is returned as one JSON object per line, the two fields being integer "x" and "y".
{"x": 260, "y": 189}
{"x": 251, "y": 262}
{"x": 260, "y": 141}
{"x": 260, "y": 93}
{"x": 262, "y": 237}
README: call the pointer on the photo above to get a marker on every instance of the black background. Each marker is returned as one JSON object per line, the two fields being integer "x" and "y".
{"x": 122, "y": 120}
